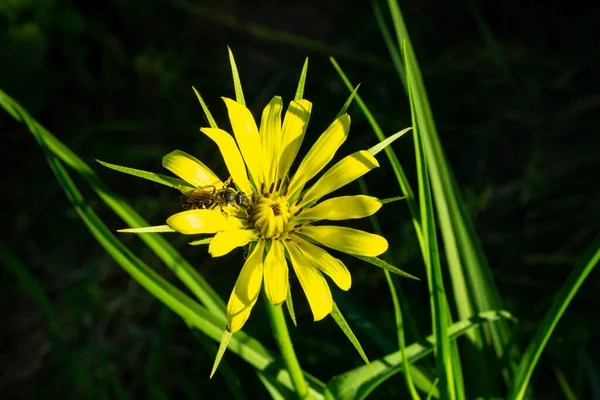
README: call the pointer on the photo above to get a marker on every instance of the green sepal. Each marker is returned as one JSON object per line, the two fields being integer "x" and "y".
{"x": 388, "y": 267}
{"x": 148, "y": 229}
{"x": 290, "y": 305}
{"x": 175, "y": 183}
{"x": 339, "y": 319}
{"x": 387, "y": 141}
{"x": 222, "y": 347}
{"x": 300, "y": 90}
{"x": 348, "y": 102}
{"x": 211, "y": 120}
{"x": 237, "y": 84}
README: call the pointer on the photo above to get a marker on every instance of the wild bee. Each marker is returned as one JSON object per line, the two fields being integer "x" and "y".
{"x": 208, "y": 197}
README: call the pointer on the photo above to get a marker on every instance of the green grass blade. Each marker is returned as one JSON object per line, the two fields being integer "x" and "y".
{"x": 175, "y": 183}
{"x": 237, "y": 83}
{"x": 163, "y": 249}
{"x": 390, "y": 43}
{"x": 301, "y": 82}
{"x": 567, "y": 390}
{"x": 475, "y": 280}
{"x": 359, "y": 382}
{"x": 385, "y": 143}
{"x": 561, "y": 302}
{"x": 440, "y": 316}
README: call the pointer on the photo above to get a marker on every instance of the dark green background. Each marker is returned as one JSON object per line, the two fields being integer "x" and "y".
{"x": 113, "y": 81}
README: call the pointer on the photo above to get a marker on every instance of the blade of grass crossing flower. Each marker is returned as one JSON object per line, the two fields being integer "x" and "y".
{"x": 209, "y": 117}
{"x": 222, "y": 347}
{"x": 165, "y": 251}
{"x": 348, "y": 102}
{"x": 437, "y": 170}
{"x": 359, "y": 382}
{"x": 175, "y": 183}
{"x": 300, "y": 90}
{"x": 237, "y": 83}
{"x": 395, "y": 163}
{"x": 339, "y": 319}
{"x": 546, "y": 328}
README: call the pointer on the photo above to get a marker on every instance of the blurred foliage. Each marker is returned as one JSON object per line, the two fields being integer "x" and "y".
{"x": 515, "y": 96}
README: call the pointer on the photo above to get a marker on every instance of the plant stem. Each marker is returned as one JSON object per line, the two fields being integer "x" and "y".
{"x": 284, "y": 342}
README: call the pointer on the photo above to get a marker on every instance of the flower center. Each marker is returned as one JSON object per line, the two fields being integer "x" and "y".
{"x": 271, "y": 216}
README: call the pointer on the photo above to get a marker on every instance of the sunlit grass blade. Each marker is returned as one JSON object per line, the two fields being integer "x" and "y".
{"x": 459, "y": 236}
{"x": 546, "y": 328}
{"x": 341, "y": 321}
{"x": 359, "y": 382}
{"x": 275, "y": 389}
{"x": 237, "y": 83}
{"x": 439, "y": 315}
{"x": 163, "y": 249}
{"x": 175, "y": 183}
{"x": 302, "y": 82}
{"x": 388, "y": 267}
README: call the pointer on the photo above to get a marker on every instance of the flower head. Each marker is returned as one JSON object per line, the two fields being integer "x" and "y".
{"x": 266, "y": 205}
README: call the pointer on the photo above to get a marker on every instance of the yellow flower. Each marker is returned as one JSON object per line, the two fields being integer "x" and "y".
{"x": 263, "y": 206}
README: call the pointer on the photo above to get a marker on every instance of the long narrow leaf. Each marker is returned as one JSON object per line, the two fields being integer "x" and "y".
{"x": 165, "y": 251}
{"x": 359, "y": 382}
{"x": 561, "y": 302}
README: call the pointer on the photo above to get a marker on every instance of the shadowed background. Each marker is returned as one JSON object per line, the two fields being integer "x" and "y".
{"x": 515, "y": 97}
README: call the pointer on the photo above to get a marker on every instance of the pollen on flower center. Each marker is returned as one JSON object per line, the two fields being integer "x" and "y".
{"x": 271, "y": 216}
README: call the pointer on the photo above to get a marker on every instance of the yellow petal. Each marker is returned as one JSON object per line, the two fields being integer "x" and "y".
{"x": 330, "y": 265}
{"x": 232, "y": 157}
{"x": 247, "y": 137}
{"x": 225, "y": 241}
{"x": 345, "y": 171}
{"x": 246, "y": 290}
{"x": 347, "y": 240}
{"x": 294, "y": 126}
{"x": 314, "y": 285}
{"x": 270, "y": 132}
{"x": 321, "y": 152}
{"x": 190, "y": 169}
{"x": 201, "y": 221}
{"x": 345, "y": 207}
{"x": 276, "y": 274}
